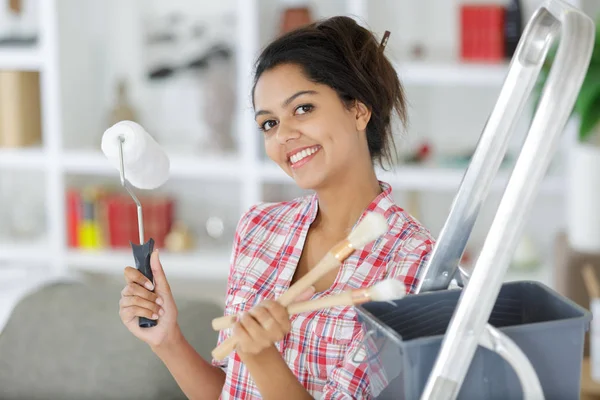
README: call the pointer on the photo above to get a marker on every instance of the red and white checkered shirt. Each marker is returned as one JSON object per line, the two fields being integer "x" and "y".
{"x": 320, "y": 347}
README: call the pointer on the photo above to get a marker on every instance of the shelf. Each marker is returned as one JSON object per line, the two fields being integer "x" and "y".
{"x": 25, "y": 252}
{"x": 22, "y": 59}
{"x": 451, "y": 73}
{"x": 210, "y": 264}
{"x": 92, "y": 162}
{"x": 22, "y": 158}
{"x": 449, "y": 179}
{"x": 433, "y": 179}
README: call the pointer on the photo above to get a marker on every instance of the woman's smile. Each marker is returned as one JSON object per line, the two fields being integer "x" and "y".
{"x": 302, "y": 156}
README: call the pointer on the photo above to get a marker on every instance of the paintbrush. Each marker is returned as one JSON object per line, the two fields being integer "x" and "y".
{"x": 367, "y": 230}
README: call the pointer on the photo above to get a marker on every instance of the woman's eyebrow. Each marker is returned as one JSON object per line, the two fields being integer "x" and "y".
{"x": 287, "y": 101}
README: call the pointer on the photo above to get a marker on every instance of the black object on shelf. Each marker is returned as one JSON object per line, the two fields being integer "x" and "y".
{"x": 513, "y": 27}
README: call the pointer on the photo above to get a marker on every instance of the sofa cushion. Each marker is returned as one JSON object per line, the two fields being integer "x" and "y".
{"x": 66, "y": 341}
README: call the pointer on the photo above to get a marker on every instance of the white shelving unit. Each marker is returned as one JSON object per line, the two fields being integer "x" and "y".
{"x": 22, "y": 59}
{"x": 452, "y": 73}
{"x": 247, "y": 169}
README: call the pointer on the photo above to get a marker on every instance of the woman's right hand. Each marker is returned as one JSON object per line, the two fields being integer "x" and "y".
{"x": 138, "y": 300}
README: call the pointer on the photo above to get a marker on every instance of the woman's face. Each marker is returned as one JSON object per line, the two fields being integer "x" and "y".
{"x": 308, "y": 131}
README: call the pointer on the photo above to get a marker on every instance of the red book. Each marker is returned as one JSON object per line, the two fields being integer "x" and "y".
{"x": 122, "y": 223}
{"x": 482, "y": 32}
{"x": 73, "y": 200}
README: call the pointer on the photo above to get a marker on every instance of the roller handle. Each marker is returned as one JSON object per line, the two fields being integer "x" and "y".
{"x": 141, "y": 254}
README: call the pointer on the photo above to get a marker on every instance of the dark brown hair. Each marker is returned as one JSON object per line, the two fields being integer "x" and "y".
{"x": 345, "y": 56}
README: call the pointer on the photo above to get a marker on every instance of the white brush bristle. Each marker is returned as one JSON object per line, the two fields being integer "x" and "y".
{"x": 370, "y": 228}
{"x": 389, "y": 289}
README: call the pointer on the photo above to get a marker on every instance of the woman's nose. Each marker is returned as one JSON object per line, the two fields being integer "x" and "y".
{"x": 286, "y": 132}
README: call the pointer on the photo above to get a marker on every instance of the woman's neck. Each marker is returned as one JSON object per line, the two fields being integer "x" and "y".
{"x": 341, "y": 205}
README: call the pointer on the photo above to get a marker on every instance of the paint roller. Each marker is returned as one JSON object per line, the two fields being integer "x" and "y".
{"x": 141, "y": 164}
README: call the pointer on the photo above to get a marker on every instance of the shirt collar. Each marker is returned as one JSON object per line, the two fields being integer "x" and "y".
{"x": 381, "y": 204}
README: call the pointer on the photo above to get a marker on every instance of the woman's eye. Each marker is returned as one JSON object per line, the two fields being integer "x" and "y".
{"x": 265, "y": 126}
{"x": 305, "y": 108}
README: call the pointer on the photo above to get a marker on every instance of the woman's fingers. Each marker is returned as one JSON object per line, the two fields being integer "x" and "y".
{"x": 252, "y": 335}
{"x": 134, "y": 301}
{"x": 129, "y": 313}
{"x": 272, "y": 327}
{"x": 133, "y": 289}
{"x": 280, "y": 314}
{"x": 162, "y": 284}
{"x": 132, "y": 275}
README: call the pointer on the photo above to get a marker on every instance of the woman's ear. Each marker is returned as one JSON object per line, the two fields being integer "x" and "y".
{"x": 362, "y": 115}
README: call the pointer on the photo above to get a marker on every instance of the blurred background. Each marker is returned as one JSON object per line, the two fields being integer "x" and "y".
{"x": 69, "y": 69}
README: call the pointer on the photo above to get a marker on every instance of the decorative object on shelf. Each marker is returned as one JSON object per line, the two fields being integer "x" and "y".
{"x": 178, "y": 43}
{"x": 90, "y": 232}
{"x": 123, "y": 110}
{"x": 513, "y": 27}
{"x": 112, "y": 218}
{"x": 20, "y": 109}
{"x": 295, "y": 14}
{"x": 583, "y": 157}
{"x": 25, "y": 217}
{"x": 417, "y": 51}
{"x": 482, "y": 32}
{"x": 191, "y": 82}
{"x": 420, "y": 155}
{"x": 215, "y": 227}
{"x": 161, "y": 46}
{"x": 180, "y": 238}
{"x": 462, "y": 160}
{"x": 19, "y": 23}
{"x": 218, "y": 100}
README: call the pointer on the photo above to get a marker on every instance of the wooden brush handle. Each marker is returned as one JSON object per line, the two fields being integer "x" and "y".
{"x": 342, "y": 299}
{"x": 333, "y": 259}
{"x": 224, "y": 322}
{"x": 326, "y": 264}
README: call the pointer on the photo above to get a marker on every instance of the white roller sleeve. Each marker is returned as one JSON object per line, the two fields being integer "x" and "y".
{"x": 146, "y": 164}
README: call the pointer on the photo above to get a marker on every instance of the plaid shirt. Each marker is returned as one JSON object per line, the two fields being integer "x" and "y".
{"x": 320, "y": 347}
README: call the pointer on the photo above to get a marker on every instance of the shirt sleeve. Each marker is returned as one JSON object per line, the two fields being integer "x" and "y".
{"x": 409, "y": 260}
{"x": 240, "y": 233}
{"x": 353, "y": 379}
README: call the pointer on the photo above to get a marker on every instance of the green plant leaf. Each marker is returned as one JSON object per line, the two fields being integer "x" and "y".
{"x": 588, "y": 102}
{"x": 590, "y": 118}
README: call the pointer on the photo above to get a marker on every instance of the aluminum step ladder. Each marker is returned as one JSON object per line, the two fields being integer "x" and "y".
{"x": 468, "y": 327}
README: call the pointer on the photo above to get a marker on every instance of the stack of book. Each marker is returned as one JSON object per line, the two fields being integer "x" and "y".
{"x": 99, "y": 219}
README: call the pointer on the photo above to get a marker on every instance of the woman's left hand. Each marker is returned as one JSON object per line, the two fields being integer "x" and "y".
{"x": 263, "y": 325}
{"x": 260, "y": 327}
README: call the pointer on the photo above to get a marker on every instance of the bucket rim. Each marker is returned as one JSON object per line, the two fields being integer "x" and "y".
{"x": 585, "y": 317}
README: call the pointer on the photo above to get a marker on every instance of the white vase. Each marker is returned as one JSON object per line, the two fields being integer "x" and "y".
{"x": 583, "y": 198}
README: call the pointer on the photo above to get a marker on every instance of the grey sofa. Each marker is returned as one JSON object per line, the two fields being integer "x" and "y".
{"x": 66, "y": 341}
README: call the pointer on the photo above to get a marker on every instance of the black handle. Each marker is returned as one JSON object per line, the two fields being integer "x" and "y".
{"x": 141, "y": 254}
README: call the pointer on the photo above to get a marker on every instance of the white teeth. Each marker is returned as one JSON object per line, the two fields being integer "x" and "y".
{"x": 304, "y": 153}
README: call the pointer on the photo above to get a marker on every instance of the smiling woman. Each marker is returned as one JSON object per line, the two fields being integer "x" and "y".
{"x": 330, "y": 90}
{"x": 324, "y": 96}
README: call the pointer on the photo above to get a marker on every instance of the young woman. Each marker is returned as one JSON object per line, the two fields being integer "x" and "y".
{"x": 324, "y": 98}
